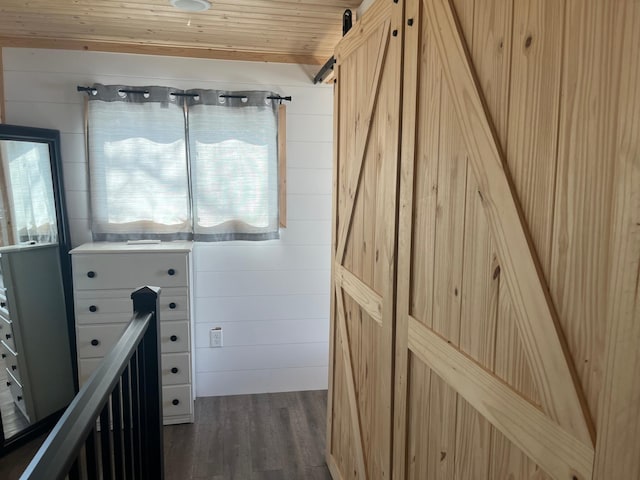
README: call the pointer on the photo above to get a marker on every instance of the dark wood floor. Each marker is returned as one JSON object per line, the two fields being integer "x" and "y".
{"x": 272, "y": 436}
{"x": 251, "y": 437}
{"x": 13, "y": 464}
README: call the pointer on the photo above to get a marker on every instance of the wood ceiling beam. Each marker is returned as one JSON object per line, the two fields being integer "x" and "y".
{"x": 163, "y": 50}
{"x": 70, "y": 17}
{"x": 173, "y": 32}
{"x": 272, "y": 9}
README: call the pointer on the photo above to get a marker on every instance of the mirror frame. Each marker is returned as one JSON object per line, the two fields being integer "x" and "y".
{"x": 52, "y": 139}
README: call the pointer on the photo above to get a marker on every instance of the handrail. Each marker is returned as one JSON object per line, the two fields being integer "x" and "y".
{"x": 60, "y": 451}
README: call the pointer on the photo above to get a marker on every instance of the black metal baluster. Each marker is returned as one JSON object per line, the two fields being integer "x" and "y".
{"x": 116, "y": 404}
{"x": 74, "y": 471}
{"x": 105, "y": 443}
{"x": 90, "y": 452}
{"x": 128, "y": 432}
{"x": 135, "y": 412}
{"x": 144, "y": 427}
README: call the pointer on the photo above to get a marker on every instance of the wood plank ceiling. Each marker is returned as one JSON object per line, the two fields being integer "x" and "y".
{"x": 295, "y": 31}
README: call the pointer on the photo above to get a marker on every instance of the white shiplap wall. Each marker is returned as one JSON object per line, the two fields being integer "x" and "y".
{"x": 271, "y": 298}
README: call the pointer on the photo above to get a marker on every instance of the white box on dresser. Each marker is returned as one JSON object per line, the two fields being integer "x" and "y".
{"x": 104, "y": 275}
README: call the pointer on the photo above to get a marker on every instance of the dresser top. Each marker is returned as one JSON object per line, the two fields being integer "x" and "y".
{"x": 178, "y": 246}
{"x": 21, "y": 247}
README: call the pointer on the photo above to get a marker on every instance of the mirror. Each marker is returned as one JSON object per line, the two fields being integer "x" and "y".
{"x": 27, "y": 208}
{"x": 37, "y": 371}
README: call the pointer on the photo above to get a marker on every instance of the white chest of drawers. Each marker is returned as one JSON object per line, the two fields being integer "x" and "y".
{"x": 104, "y": 275}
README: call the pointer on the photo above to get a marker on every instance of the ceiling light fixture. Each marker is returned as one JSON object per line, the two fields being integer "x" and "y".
{"x": 191, "y": 5}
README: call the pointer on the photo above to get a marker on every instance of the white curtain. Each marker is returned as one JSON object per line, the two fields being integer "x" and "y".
{"x": 234, "y": 165}
{"x": 30, "y": 191}
{"x": 138, "y": 165}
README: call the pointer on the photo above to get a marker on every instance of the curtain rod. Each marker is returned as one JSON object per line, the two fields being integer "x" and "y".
{"x": 93, "y": 91}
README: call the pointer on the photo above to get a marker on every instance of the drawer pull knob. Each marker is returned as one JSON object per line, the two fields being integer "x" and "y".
{"x": 4, "y": 356}
{"x": 174, "y": 370}
{"x": 19, "y": 398}
{"x": 95, "y": 342}
{"x": 14, "y": 367}
{"x": 172, "y": 305}
{"x": 173, "y": 338}
{"x": 8, "y": 384}
{"x": 91, "y": 274}
{"x": 171, "y": 271}
{"x": 93, "y": 308}
{"x": 175, "y": 401}
{"x": 8, "y": 335}
{"x": 3, "y": 304}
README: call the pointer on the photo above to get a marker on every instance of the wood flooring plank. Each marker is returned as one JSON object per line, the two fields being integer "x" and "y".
{"x": 179, "y": 451}
{"x": 308, "y": 430}
{"x": 266, "y": 449}
{"x": 237, "y": 450}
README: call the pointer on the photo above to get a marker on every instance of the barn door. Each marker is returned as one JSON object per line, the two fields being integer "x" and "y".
{"x": 485, "y": 387}
{"x": 367, "y": 112}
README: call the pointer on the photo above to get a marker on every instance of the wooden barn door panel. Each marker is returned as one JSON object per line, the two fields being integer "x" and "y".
{"x": 481, "y": 90}
{"x": 367, "y": 113}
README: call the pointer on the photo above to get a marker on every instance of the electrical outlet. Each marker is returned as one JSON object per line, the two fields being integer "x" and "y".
{"x": 215, "y": 337}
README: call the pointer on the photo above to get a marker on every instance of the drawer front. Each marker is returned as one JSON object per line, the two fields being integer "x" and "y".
{"x": 129, "y": 271}
{"x": 170, "y": 362}
{"x": 176, "y": 368}
{"x": 176, "y": 400}
{"x": 174, "y": 337}
{"x": 97, "y": 340}
{"x": 16, "y": 393}
{"x": 92, "y": 309}
{"x": 4, "y": 306}
{"x": 6, "y": 355}
{"x": 6, "y": 333}
{"x": 86, "y": 366}
{"x": 10, "y": 360}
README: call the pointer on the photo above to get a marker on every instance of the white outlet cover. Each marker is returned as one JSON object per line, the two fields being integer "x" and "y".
{"x": 215, "y": 337}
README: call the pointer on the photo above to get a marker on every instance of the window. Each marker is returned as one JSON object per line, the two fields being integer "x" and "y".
{"x": 138, "y": 165}
{"x": 234, "y": 158}
{"x": 169, "y": 164}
